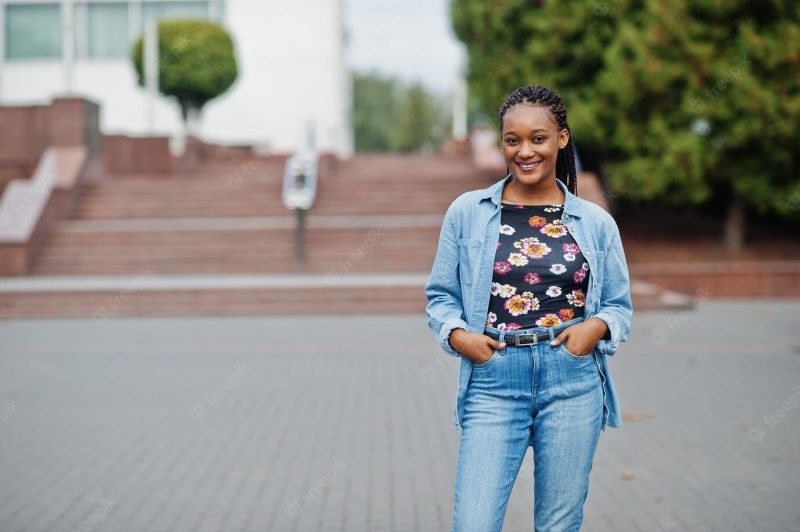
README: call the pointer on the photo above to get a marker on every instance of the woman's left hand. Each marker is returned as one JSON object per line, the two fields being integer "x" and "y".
{"x": 582, "y": 337}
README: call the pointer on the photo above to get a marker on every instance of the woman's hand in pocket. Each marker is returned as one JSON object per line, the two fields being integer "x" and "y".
{"x": 580, "y": 339}
{"x": 476, "y": 347}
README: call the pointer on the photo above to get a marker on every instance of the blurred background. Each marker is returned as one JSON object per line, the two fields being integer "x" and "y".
{"x": 168, "y": 152}
{"x": 172, "y": 171}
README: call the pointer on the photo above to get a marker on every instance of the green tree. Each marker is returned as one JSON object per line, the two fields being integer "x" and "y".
{"x": 390, "y": 116}
{"x": 520, "y": 42}
{"x": 423, "y": 117}
{"x": 376, "y": 113}
{"x": 196, "y": 62}
{"x": 707, "y": 96}
{"x": 682, "y": 102}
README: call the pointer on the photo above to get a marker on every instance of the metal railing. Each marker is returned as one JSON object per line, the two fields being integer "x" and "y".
{"x": 299, "y": 192}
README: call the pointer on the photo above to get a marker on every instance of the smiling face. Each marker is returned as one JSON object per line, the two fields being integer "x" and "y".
{"x": 531, "y": 140}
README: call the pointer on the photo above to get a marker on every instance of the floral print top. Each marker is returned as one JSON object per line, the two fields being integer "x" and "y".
{"x": 540, "y": 276}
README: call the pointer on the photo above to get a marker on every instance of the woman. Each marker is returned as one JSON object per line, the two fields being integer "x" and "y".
{"x": 530, "y": 288}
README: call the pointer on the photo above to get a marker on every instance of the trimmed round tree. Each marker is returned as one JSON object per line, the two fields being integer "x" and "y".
{"x": 196, "y": 62}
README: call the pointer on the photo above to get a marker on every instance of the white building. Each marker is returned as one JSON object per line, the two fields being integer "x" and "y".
{"x": 292, "y": 68}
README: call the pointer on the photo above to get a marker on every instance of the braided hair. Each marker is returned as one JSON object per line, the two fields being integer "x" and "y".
{"x": 565, "y": 162}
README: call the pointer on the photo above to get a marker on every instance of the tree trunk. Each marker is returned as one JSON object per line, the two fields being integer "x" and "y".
{"x": 735, "y": 225}
{"x": 178, "y": 139}
{"x": 192, "y": 125}
{"x": 192, "y": 122}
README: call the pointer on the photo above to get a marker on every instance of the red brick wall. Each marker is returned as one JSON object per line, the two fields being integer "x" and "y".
{"x": 137, "y": 155}
{"x": 732, "y": 279}
{"x": 25, "y": 131}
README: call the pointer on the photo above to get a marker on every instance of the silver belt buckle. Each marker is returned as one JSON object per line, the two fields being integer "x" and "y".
{"x": 532, "y": 335}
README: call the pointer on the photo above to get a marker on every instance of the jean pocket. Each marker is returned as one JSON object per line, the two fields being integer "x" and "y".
{"x": 562, "y": 347}
{"x": 495, "y": 354}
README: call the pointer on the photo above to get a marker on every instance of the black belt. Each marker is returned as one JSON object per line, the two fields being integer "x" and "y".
{"x": 519, "y": 338}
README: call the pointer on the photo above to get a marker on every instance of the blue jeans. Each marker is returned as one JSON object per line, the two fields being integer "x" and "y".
{"x": 536, "y": 395}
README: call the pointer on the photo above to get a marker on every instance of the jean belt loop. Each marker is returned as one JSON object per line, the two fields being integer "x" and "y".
{"x": 552, "y": 332}
{"x": 502, "y": 336}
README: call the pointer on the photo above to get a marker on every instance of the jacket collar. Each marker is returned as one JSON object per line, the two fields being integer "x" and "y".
{"x": 572, "y": 205}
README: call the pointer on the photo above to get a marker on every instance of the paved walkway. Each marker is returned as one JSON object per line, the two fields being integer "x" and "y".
{"x": 344, "y": 424}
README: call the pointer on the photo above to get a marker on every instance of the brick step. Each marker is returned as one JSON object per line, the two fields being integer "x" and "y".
{"x": 219, "y": 210}
{"x": 253, "y": 230}
{"x": 377, "y": 162}
{"x": 119, "y": 188}
{"x": 76, "y": 250}
{"x": 113, "y": 190}
{"x": 221, "y": 178}
{"x": 236, "y": 302}
{"x": 205, "y": 248}
{"x": 211, "y": 209}
{"x": 266, "y": 266}
{"x": 342, "y": 171}
{"x": 214, "y": 264}
{"x": 365, "y": 184}
{"x": 180, "y": 295}
{"x": 347, "y": 198}
{"x": 221, "y": 260}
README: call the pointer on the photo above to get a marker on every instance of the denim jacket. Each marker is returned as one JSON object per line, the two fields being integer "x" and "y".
{"x": 459, "y": 285}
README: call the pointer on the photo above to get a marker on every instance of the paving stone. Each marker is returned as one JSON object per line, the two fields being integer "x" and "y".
{"x": 320, "y": 424}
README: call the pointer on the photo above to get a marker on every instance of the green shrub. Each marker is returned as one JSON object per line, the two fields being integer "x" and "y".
{"x": 196, "y": 62}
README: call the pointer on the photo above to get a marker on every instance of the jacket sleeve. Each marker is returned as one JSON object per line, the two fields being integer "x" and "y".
{"x": 615, "y": 306}
{"x": 443, "y": 290}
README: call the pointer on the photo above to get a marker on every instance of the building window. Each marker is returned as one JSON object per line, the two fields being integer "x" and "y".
{"x": 168, "y": 10}
{"x": 102, "y": 29}
{"x": 106, "y": 31}
{"x": 33, "y": 31}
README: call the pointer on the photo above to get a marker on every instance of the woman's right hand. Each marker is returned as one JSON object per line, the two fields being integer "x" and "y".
{"x": 476, "y": 347}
